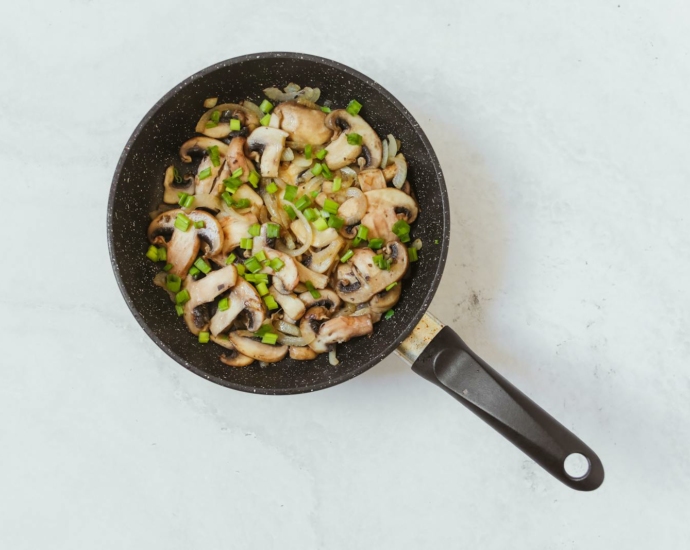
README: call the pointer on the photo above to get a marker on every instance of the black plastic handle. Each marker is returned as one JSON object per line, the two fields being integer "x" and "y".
{"x": 452, "y": 366}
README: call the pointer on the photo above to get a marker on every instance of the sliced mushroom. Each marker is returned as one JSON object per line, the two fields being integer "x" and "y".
{"x": 172, "y": 188}
{"x": 341, "y": 329}
{"x": 359, "y": 279}
{"x": 290, "y": 173}
{"x": 303, "y": 124}
{"x": 323, "y": 260}
{"x": 227, "y": 111}
{"x": 268, "y": 144}
{"x": 201, "y": 145}
{"x": 305, "y": 274}
{"x": 247, "y": 345}
{"x": 207, "y": 184}
{"x": 202, "y": 292}
{"x": 385, "y": 300}
{"x": 385, "y": 207}
{"x": 302, "y": 353}
{"x": 288, "y": 274}
{"x": 372, "y": 179}
{"x": 353, "y": 209}
{"x": 236, "y": 228}
{"x": 311, "y": 323}
{"x": 328, "y": 299}
{"x": 233, "y": 358}
{"x": 211, "y": 234}
{"x": 236, "y": 159}
{"x": 243, "y": 298}
{"x": 293, "y": 307}
{"x": 340, "y": 153}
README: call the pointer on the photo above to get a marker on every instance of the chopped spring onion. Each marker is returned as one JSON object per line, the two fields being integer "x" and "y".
{"x": 400, "y": 228}
{"x": 215, "y": 116}
{"x": 290, "y": 193}
{"x": 381, "y": 262}
{"x": 331, "y": 206}
{"x": 237, "y": 173}
{"x": 277, "y": 264}
{"x": 337, "y": 183}
{"x": 272, "y": 230}
{"x": 266, "y": 328}
{"x": 262, "y": 289}
{"x": 392, "y": 285}
{"x": 232, "y": 184}
{"x": 435, "y": 241}
{"x": 307, "y": 151}
{"x": 168, "y": 267}
{"x": 152, "y": 253}
{"x": 254, "y": 178}
{"x": 326, "y": 109}
{"x": 230, "y": 259}
{"x": 211, "y": 124}
{"x": 326, "y": 171}
{"x": 270, "y": 338}
{"x": 316, "y": 169}
{"x": 266, "y": 106}
{"x": 256, "y": 278}
{"x": 204, "y": 337}
{"x": 214, "y": 155}
{"x": 241, "y": 204}
{"x": 200, "y": 224}
{"x": 194, "y": 271}
{"x": 354, "y": 139}
{"x": 202, "y": 266}
{"x": 311, "y": 214}
{"x": 356, "y": 241}
{"x": 253, "y": 265}
{"x": 270, "y": 302}
{"x": 265, "y": 121}
{"x": 271, "y": 188}
{"x": 375, "y": 244}
{"x": 321, "y": 224}
{"x": 412, "y": 253}
{"x": 335, "y": 222}
{"x": 187, "y": 202}
{"x": 345, "y": 257}
{"x": 324, "y": 214}
{"x": 182, "y": 222}
{"x": 312, "y": 290}
{"x": 353, "y": 107}
{"x": 389, "y": 314}
{"x": 180, "y": 310}
{"x": 303, "y": 202}
{"x": 224, "y": 304}
{"x": 405, "y": 238}
{"x": 290, "y": 211}
{"x": 205, "y": 173}
{"x": 363, "y": 232}
{"x": 182, "y": 296}
{"x": 314, "y": 194}
{"x": 247, "y": 244}
{"x": 235, "y": 125}
{"x": 254, "y": 230}
{"x": 227, "y": 197}
{"x": 241, "y": 270}
{"x": 321, "y": 154}
{"x": 260, "y": 255}
{"x": 173, "y": 283}
{"x": 162, "y": 254}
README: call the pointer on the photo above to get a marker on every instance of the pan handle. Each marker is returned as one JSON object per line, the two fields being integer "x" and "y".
{"x": 440, "y": 356}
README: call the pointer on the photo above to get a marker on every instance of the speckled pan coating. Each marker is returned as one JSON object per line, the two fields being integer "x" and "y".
{"x": 137, "y": 189}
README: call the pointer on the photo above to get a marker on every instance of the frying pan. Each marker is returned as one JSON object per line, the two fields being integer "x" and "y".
{"x": 435, "y": 352}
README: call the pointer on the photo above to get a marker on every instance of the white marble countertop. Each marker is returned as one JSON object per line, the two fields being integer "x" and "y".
{"x": 562, "y": 129}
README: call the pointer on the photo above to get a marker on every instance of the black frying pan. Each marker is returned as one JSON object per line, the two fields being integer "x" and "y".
{"x": 437, "y": 353}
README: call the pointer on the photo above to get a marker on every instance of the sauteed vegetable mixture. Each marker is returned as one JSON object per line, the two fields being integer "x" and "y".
{"x": 290, "y": 230}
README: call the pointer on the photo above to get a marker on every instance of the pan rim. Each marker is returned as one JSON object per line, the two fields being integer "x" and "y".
{"x": 385, "y": 350}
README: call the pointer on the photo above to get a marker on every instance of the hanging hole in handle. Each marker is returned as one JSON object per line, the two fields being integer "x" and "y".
{"x": 576, "y": 466}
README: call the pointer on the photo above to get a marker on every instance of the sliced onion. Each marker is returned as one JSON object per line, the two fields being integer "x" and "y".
{"x": 305, "y": 246}
{"x": 384, "y": 155}
{"x": 288, "y": 155}
{"x": 287, "y": 328}
{"x": 400, "y": 171}
{"x": 289, "y": 241}
{"x": 349, "y": 177}
{"x": 254, "y": 108}
{"x": 392, "y": 148}
{"x": 332, "y": 358}
{"x": 417, "y": 243}
{"x": 310, "y": 94}
{"x": 292, "y": 87}
{"x": 348, "y": 309}
{"x": 362, "y": 311}
{"x": 297, "y": 341}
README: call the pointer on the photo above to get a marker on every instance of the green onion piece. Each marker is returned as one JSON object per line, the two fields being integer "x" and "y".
{"x": 180, "y": 310}
{"x": 168, "y": 267}
{"x": 290, "y": 193}
{"x": 176, "y": 175}
{"x": 314, "y": 194}
{"x": 277, "y": 264}
{"x": 227, "y": 197}
{"x": 400, "y": 228}
{"x": 435, "y": 241}
{"x": 232, "y": 184}
{"x": 303, "y": 202}
{"x": 353, "y": 107}
{"x": 251, "y": 278}
{"x": 389, "y": 314}
{"x": 321, "y": 154}
{"x": 331, "y": 206}
{"x": 326, "y": 109}
{"x": 405, "y": 238}
{"x": 202, "y": 266}
{"x": 261, "y": 256}
{"x": 241, "y": 270}
{"x": 272, "y": 230}
{"x": 194, "y": 271}
{"x": 205, "y": 173}
{"x": 307, "y": 151}
{"x": 337, "y": 183}
{"x": 242, "y": 203}
{"x": 237, "y": 173}
{"x": 204, "y": 337}
{"x": 253, "y": 265}
{"x": 316, "y": 169}
{"x": 271, "y": 188}
{"x": 162, "y": 254}
{"x": 254, "y": 230}
{"x": 311, "y": 214}
{"x": 200, "y": 224}
{"x": 412, "y": 253}
{"x": 247, "y": 244}
{"x": 325, "y": 171}
{"x": 345, "y": 257}
{"x": 363, "y": 232}
{"x": 152, "y": 253}
{"x": 188, "y": 201}
{"x": 235, "y": 125}
{"x": 335, "y": 222}
{"x": 215, "y": 116}
{"x": 375, "y": 244}
{"x": 254, "y": 178}
{"x": 182, "y": 197}
{"x": 270, "y": 338}
{"x": 381, "y": 262}
{"x": 173, "y": 283}
{"x": 270, "y": 302}
{"x": 356, "y": 241}
{"x": 214, "y": 155}
{"x": 266, "y": 328}
{"x": 262, "y": 289}
{"x": 224, "y": 304}
{"x": 266, "y": 106}
{"x": 230, "y": 259}
{"x": 211, "y": 124}
{"x": 390, "y": 286}
{"x": 261, "y": 278}
{"x": 354, "y": 139}
{"x": 321, "y": 224}
{"x": 182, "y": 296}
{"x": 324, "y": 214}
{"x": 290, "y": 212}
{"x": 265, "y": 121}
{"x": 312, "y": 290}
{"x": 182, "y": 222}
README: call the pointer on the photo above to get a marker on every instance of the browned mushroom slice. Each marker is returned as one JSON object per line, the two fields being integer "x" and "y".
{"x": 248, "y": 344}
{"x": 243, "y": 298}
{"x": 340, "y": 153}
{"x": 328, "y": 299}
{"x": 339, "y": 330}
{"x": 235, "y": 228}
{"x": 222, "y": 128}
{"x": 267, "y": 143}
{"x": 386, "y": 299}
{"x": 293, "y": 307}
{"x": 385, "y": 207}
{"x": 172, "y": 188}
{"x": 233, "y": 358}
{"x": 303, "y": 124}
{"x": 302, "y": 353}
{"x": 200, "y": 145}
{"x": 305, "y": 274}
{"x": 202, "y": 292}
{"x": 311, "y": 323}
{"x": 372, "y": 179}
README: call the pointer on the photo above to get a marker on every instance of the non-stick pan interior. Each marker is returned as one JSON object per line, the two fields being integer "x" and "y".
{"x": 137, "y": 190}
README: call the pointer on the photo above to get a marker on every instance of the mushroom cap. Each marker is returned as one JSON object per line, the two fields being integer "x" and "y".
{"x": 323, "y": 260}
{"x": 293, "y": 307}
{"x": 384, "y": 208}
{"x": 202, "y": 292}
{"x": 341, "y": 329}
{"x": 372, "y": 178}
{"x": 311, "y": 323}
{"x": 171, "y": 189}
{"x": 305, "y": 274}
{"x": 340, "y": 153}
{"x": 303, "y": 124}
{"x": 211, "y": 235}
{"x": 233, "y": 358}
{"x": 288, "y": 274}
{"x": 268, "y": 143}
{"x": 200, "y": 145}
{"x": 386, "y": 299}
{"x": 222, "y": 130}
{"x": 328, "y": 299}
{"x": 300, "y": 353}
{"x": 246, "y": 344}
{"x": 235, "y": 159}
{"x": 243, "y": 298}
